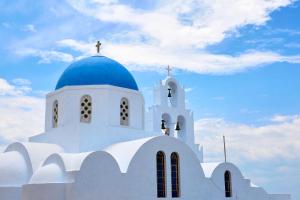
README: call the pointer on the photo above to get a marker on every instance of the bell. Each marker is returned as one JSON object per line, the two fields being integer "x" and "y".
{"x": 177, "y": 128}
{"x": 169, "y": 94}
{"x": 163, "y": 127}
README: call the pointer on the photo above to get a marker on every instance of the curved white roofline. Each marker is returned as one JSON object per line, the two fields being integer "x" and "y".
{"x": 209, "y": 168}
{"x": 228, "y": 166}
{"x": 122, "y": 157}
{"x": 14, "y": 170}
{"x": 34, "y": 153}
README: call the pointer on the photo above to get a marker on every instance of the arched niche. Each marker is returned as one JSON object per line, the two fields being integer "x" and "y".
{"x": 181, "y": 125}
{"x": 228, "y": 184}
{"x": 172, "y": 92}
{"x": 166, "y": 121}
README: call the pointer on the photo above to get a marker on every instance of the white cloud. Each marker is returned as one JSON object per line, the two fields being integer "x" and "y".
{"x": 280, "y": 140}
{"x": 284, "y": 118}
{"x": 30, "y": 28}
{"x": 21, "y": 81}
{"x": 184, "y": 23}
{"x": 188, "y": 89}
{"x": 145, "y": 57}
{"x": 5, "y": 87}
{"x": 85, "y": 48}
{"x": 291, "y": 32}
{"x": 17, "y": 89}
{"x": 21, "y": 116}
{"x": 45, "y": 56}
{"x": 174, "y": 32}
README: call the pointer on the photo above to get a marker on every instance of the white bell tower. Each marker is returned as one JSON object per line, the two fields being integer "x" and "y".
{"x": 169, "y": 115}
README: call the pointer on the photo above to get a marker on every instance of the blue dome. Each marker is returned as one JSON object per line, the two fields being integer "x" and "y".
{"x": 97, "y": 70}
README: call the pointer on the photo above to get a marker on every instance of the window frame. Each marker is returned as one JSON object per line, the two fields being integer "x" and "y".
{"x": 124, "y": 112}
{"x": 86, "y": 111}
{"x": 161, "y": 175}
{"x": 175, "y": 171}
{"x": 55, "y": 114}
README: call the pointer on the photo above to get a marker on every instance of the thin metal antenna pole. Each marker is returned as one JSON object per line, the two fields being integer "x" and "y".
{"x": 224, "y": 142}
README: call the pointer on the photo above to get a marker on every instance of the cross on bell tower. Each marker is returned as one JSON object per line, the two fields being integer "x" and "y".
{"x": 169, "y": 70}
{"x": 98, "y": 46}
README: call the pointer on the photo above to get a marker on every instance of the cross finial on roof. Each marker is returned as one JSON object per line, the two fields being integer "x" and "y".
{"x": 98, "y": 45}
{"x": 169, "y": 70}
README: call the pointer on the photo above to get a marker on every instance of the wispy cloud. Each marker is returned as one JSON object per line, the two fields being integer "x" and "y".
{"x": 22, "y": 115}
{"x": 284, "y": 118}
{"x": 266, "y": 154}
{"x": 290, "y": 32}
{"x": 188, "y": 89}
{"x": 45, "y": 57}
{"x": 180, "y": 29}
{"x": 181, "y": 23}
{"x": 30, "y": 28}
{"x": 280, "y": 140}
{"x": 21, "y": 81}
{"x": 151, "y": 57}
{"x": 173, "y": 33}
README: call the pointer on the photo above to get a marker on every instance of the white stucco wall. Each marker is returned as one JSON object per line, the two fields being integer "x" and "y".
{"x": 104, "y": 160}
{"x": 104, "y": 129}
{"x": 114, "y": 174}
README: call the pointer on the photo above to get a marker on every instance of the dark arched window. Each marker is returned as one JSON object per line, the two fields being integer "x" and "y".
{"x": 228, "y": 186}
{"x": 175, "y": 175}
{"x": 161, "y": 174}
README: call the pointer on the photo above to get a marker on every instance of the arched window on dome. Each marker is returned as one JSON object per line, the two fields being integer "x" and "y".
{"x": 161, "y": 174}
{"x": 228, "y": 184}
{"x": 124, "y": 112}
{"x": 55, "y": 114}
{"x": 175, "y": 175}
{"x": 86, "y": 109}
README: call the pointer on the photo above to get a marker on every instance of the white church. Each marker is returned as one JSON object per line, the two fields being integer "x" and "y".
{"x": 100, "y": 143}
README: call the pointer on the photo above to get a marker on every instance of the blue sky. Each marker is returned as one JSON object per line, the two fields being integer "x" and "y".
{"x": 239, "y": 62}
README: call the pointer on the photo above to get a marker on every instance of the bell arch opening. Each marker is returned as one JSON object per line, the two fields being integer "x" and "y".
{"x": 166, "y": 123}
{"x": 172, "y": 94}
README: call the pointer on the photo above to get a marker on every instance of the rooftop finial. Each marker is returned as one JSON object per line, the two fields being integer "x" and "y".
{"x": 169, "y": 70}
{"x": 98, "y": 45}
{"x": 224, "y": 143}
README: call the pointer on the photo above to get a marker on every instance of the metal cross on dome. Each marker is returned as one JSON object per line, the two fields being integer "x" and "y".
{"x": 98, "y": 45}
{"x": 169, "y": 70}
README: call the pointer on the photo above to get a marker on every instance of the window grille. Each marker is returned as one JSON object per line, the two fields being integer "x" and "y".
{"x": 55, "y": 114}
{"x": 86, "y": 109}
{"x": 124, "y": 112}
